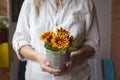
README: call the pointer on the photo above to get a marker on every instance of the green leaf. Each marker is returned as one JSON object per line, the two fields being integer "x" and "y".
{"x": 63, "y": 51}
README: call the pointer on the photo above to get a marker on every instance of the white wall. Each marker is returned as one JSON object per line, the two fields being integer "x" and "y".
{"x": 104, "y": 20}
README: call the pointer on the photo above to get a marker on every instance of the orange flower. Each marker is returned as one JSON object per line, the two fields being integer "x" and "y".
{"x": 62, "y": 31}
{"x": 72, "y": 40}
{"x": 60, "y": 41}
{"x": 47, "y": 36}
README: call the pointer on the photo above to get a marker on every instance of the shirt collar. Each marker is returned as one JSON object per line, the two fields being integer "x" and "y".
{"x": 62, "y": 1}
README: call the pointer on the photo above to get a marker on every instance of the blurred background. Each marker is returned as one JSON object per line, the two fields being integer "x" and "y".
{"x": 105, "y": 65}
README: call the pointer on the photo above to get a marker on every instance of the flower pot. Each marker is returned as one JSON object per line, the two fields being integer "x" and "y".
{"x": 58, "y": 60}
{"x": 3, "y": 35}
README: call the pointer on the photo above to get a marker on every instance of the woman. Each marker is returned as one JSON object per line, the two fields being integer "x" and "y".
{"x": 37, "y": 16}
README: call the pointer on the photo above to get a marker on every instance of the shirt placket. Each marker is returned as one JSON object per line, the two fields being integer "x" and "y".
{"x": 57, "y": 14}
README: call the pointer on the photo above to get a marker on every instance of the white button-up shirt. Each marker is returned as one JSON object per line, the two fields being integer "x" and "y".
{"x": 77, "y": 16}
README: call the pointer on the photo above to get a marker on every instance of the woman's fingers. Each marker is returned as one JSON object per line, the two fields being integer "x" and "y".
{"x": 46, "y": 68}
{"x": 50, "y": 70}
{"x": 68, "y": 65}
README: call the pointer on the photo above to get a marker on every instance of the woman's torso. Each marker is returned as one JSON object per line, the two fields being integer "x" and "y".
{"x": 71, "y": 17}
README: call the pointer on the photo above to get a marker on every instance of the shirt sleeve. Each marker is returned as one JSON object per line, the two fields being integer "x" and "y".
{"x": 21, "y": 36}
{"x": 92, "y": 31}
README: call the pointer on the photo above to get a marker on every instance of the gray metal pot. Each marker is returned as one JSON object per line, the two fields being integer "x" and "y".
{"x": 58, "y": 60}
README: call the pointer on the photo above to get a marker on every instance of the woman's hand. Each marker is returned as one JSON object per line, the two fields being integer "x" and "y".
{"x": 70, "y": 64}
{"x": 77, "y": 56}
{"x": 45, "y": 65}
{"x": 29, "y": 53}
{"x": 57, "y": 72}
{"x": 68, "y": 68}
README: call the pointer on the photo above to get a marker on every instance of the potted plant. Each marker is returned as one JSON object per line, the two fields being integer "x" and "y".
{"x": 58, "y": 46}
{"x": 3, "y": 30}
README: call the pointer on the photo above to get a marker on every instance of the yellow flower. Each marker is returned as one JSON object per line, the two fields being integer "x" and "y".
{"x": 62, "y": 31}
{"x": 47, "y": 36}
{"x": 60, "y": 41}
